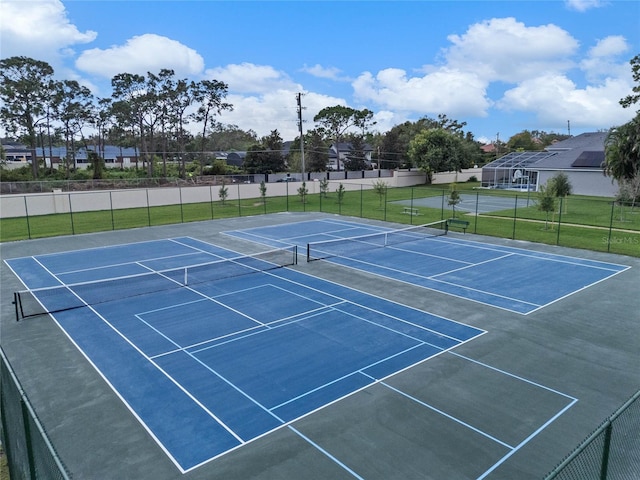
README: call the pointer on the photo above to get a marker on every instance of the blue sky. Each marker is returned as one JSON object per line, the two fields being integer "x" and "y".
{"x": 500, "y": 66}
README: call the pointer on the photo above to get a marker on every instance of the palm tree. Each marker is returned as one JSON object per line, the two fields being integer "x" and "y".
{"x": 622, "y": 151}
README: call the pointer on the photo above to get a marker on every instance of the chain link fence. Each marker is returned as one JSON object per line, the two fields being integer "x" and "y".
{"x": 592, "y": 223}
{"x": 612, "y": 452}
{"x": 30, "y": 454}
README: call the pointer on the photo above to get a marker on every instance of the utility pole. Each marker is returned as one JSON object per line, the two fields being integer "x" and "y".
{"x": 569, "y": 127}
{"x": 299, "y": 98}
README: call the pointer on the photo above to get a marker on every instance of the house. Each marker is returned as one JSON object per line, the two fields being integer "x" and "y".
{"x": 580, "y": 158}
{"x": 489, "y": 148}
{"x": 338, "y": 155}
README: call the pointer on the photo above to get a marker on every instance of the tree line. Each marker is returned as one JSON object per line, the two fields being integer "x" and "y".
{"x": 151, "y": 113}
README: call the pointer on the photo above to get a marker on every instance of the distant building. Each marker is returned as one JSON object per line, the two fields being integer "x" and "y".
{"x": 114, "y": 156}
{"x": 488, "y": 148}
{"x": 342, "y": 152}
{"x": 580, "y": 158}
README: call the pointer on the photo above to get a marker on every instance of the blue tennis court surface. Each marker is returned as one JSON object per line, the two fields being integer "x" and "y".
{"x": 514, "y": 279}
{"x": 209, "y": 366}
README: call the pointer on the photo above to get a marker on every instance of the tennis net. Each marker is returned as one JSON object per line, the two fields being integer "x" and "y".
{"x": 41, "y": 301}
{"x": 344, "y": 247}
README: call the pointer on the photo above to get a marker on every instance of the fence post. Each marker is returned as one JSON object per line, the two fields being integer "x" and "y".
{"x": 385, "y": 201}
{"x": 613, "y": 206}
{"x": 73, "y": 230}
{"x": 361, "y": 198}
{"x": 211, "y": 199}
{"x": 113, "y": 224}
{"x": 605, "y": 451}
{"x": 515, "y": 216}
{"x": 181, "y": 209}
{"x": 559, "y": 222}
{"x": 28, "y": 440}
{"x": 475, "y": 223}
{"x": 411, "y": 216}
{"x": 26, "y": 214}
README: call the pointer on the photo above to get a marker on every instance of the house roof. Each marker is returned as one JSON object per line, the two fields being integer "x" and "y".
{"x": 581, "y": 151}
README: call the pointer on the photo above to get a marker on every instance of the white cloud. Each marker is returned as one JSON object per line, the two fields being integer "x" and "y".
{"x": 319, "y": 71}
{"x": 554, "y": 99}
{"x": 276, "y": 109}
{"x": 602, "y": 59}
{"x": 448, "y": 91}
{"x": 251, "y": 78}
{"x": 40, "y": 30}
{"x": 503, "y": 49}
{"x": 142, "y": 54}
{"x": 583, "y": 5}
{"x": 612, "y": 45}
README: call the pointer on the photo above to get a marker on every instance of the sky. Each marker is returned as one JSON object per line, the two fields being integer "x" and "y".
{"x": 500, "y": 66}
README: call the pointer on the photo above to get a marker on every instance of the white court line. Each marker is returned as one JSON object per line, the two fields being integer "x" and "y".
{"x": 322, "y": 450}
{"x": 450, "y": 417}
{"x": 490, "y": 294}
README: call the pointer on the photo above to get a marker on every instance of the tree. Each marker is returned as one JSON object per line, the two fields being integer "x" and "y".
{"x": 546, "y": 202}
{"x": 634, "y": 98}
{"x": 453, "y": 199}
{"x": 524, "y": 140}
{"x": 622, "y": 145}
{"x": 179, "y": 100}
{"x": 209, "y": 94}
{"x": 436, "y": 150}
{"x": 324, "y": 187}
{"x": 336, "y": 120}
{"x": 230, "y": 137}
{"x": 356, "y": 157}
{"x": 302, "y": 192}
{"x": 561, "y": 187}
{"x": 340, "y": 191}
{"x": 73, "y": 108}
{"x": 263, "y": 192}
{"x": 127, "y": 106}
{"x": 267, "y": 156}
{"x": 316, "y": 152}
{"x": 223, "y": 192}
{"x": 97, "y": 164}
{"x": 23, "y": 93}
{"x": 380, "y": 187}
{"x": 622, "y": 151}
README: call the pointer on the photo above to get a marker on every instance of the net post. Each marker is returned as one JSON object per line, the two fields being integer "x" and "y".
{"x": 295, "y": 254}
{"x": 15, "y": 303}
{"x": 308, "y": 252}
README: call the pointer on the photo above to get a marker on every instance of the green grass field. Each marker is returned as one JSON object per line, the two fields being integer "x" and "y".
{"x": 583, "y": 222}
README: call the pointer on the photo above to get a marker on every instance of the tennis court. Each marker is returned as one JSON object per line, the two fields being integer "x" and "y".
{"x": 235, "y": 346}
{"x": 474, "y": 203}
{"x": 204, "y": 351}
{"x": 514, "y": 279}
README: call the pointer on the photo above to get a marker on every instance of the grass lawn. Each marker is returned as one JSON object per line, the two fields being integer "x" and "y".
{"x": 591, "y": 223}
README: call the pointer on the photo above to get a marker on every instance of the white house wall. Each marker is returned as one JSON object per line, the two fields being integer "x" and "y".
{"x": 591, "y": 182}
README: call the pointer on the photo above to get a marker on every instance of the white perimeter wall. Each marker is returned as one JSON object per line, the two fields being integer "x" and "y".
{"x": 63, "y": 202}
